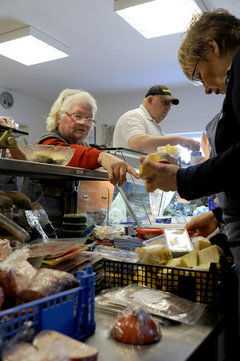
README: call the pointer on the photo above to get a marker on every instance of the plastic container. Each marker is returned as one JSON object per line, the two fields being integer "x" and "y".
{"x": 70, "y": 312}
{"x": 48, "y": 154}
{"x": 147, "y": 233}
{"x": 196, "y": 157}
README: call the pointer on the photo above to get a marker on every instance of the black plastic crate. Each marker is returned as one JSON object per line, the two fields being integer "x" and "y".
{"x": 196, "y": 285}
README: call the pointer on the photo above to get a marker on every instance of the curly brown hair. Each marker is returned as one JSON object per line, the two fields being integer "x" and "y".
{"x": 218, "y": 25}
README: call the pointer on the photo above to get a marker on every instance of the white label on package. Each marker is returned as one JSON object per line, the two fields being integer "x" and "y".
{"x": 178, "y": 240}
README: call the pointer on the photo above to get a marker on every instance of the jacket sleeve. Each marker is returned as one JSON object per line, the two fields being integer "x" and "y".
{"x": 83, "y": 157}
{"x": 217, "y": 174}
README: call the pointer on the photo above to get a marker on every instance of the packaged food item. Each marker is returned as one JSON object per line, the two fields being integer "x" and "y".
{"x": 177, "y": 262}
{"x": 63, "y": 346}
{"x": 191, "y": 259}
{"x": 135, "y": 326}
{"x": 196, "y": 157}
{"x": 178, "y": 239}
{"x": 149, "y": 232}
{"x": 156, "y": 302}
{"x": 22, "y": 351}
{"x": 16, "y": 273}
{"x": 154, "y": 254}
{"x": 210, "y": 254}
{"x": 168, "y": 154}
{"x": 47, "y": 282}
{"x": 50, "y": 345}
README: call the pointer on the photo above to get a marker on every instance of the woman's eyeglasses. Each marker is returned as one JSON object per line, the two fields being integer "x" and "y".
{"x": 195, "y": 79}
{"x": 78, "y": 117}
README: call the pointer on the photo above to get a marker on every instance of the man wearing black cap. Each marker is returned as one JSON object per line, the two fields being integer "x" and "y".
{"x": 139, "y": 129}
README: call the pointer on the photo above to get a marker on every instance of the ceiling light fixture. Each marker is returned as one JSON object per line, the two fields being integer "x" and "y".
{"x": 30, "y": 46}
{"x": 154, "y": 18}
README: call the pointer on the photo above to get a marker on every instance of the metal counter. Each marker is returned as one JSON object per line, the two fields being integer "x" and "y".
{"x": 48, "y": 171}
{"x": 178, "y": 342}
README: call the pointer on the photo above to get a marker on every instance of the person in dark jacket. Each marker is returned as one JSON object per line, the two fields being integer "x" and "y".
{"x": 210, "y": 54}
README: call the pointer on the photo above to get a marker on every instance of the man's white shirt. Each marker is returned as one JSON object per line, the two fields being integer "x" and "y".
{"x": 136, "y": 121}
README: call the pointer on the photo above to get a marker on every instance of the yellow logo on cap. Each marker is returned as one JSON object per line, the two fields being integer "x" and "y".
{"x": 166, "y": 90}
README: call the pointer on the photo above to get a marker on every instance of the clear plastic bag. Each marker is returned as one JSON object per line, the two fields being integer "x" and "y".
{"x": 158, "y": 303}
{"x": 38, "y": 220}
{"x": 135, "y": 326}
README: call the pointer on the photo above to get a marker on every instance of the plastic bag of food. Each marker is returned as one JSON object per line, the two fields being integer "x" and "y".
{"x": 154, "y": 254}
{"x": 156, "y": 302}
{"x": 168, "y": 154}
{"x": 135, "y": 326}
{"x": 38, "y": 220}
{"x": 47, "y": 282}
{"x": 64, "y": 347}
{"x": 16, "y": 273}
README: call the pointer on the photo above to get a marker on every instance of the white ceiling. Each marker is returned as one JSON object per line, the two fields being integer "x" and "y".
{"x": 107, "y": 55}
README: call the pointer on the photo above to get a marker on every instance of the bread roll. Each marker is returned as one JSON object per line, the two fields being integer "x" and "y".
{"x": 20, "y": 199}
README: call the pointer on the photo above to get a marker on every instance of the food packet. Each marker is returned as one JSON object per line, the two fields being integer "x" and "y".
{"x": 16, "y": 273}
{"x": 135, "y": 326}
{"x": 168, "y": 154}
{"x": 158, "y": 303}
{"x": 156, "y": 254}
{"x": 47, "y": 282}
{"x": 38, "y": 220}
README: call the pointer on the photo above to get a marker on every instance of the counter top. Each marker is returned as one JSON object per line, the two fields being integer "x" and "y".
{"x": 178, "y": 343}
{"x": 48, "y": 171}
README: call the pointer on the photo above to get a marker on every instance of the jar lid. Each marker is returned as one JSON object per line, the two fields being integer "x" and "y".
{"x": 156, "y": 231}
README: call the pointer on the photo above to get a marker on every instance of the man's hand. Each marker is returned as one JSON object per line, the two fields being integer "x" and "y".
{"x": 116, "y": 168}
{"x": 202, "y": 225}
{"x": 165, "y": 175}
{"x": 189, "y": 143}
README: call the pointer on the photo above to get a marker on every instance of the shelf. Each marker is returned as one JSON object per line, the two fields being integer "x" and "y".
{"x": 48, "y": 171}
{"x": 14, "y": 131}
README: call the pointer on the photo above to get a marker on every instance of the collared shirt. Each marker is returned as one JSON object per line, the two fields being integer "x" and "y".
{"x": 136, "y": 121}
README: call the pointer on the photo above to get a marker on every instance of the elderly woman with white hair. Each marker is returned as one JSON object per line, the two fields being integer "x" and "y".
{"x": 69, "y": 122}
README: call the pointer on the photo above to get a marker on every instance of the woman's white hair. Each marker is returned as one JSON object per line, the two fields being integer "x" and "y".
{"x": 66, "y": 99}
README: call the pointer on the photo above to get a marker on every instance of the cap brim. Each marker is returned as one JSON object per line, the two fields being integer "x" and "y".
{"x": 173, "y": 100}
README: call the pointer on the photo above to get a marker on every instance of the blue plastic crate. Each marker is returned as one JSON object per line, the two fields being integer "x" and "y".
{"x": 70, "y": 312}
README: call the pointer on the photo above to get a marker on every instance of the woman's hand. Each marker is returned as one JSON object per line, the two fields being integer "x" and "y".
{"x": 202, "y": 225}
{"x": 165, "y": 175}
{"x": 116, "y": 168}
{"x": 17, "y": 153}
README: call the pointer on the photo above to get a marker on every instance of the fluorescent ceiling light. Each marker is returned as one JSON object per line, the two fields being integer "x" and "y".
{"x": 30, "y": 46}
{"x": 153, "y": 18}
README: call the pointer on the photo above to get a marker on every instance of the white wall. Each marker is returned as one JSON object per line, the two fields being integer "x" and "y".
{"x": 191, "y": 115}
{"x": 28, "y": 111}
{"x": 194, "y": 111}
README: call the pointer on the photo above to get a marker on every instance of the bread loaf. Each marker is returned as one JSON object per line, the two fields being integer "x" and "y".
{"x": 22, "y": 352}
{"x": 64, "y": 346}
{"x": 47, "y": 282}
{"x": 20, "y": 199}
